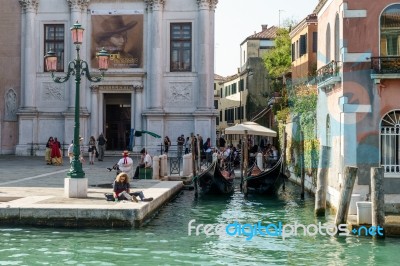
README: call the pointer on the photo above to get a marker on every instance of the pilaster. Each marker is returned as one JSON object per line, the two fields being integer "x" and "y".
{"x": 29, "y": 51}
{"x": 204, "y": 76}
{"x": 154, "y": 100}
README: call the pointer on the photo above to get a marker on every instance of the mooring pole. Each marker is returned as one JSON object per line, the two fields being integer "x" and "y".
{"x": 241, "y": 165}
{"x": 302, "y": 163}
{"x": 345, "y": 194}
{"x": 245, "y": 159}
{"x": 193, "y": 151}
{"x": 323, "y": 167}
{"x": 284, "y": 157}
{"x": 377, "y": 198}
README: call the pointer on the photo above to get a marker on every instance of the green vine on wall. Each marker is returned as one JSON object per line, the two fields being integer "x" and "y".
{"x": 301, "y": 107}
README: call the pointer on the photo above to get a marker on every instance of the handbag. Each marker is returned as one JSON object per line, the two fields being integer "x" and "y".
{"x": 97, "y": 154}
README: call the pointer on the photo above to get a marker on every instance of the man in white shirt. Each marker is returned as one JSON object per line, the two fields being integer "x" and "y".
{"x": 125, "y": 164}
{"x": 145, "y": 162}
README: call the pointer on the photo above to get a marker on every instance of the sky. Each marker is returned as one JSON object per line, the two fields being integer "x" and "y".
{"x": 235, "y": 20}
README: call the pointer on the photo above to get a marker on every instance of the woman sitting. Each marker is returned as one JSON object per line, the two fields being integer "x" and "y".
{"x": 122, "y": 188}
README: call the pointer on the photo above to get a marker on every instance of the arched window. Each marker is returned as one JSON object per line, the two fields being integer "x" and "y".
{"x": 390, "y": 142}
{"x": 328, "y": 44}
{"x": 328, "y": 131}
{"x": 337, "y": 39}
{"x": 390, "y": 31}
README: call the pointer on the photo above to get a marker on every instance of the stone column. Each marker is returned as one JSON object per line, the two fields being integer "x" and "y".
{"x": 94, "y": 117}
{"x": 100, "y": 116}
{"x": 138, "y": 105}
{"x": 154, "y": 94}
{"x": 78, "y": 7}
{"x": 211, "y": 55}
{"x": 29, "y": 52}
{"x": 203, "y": 54}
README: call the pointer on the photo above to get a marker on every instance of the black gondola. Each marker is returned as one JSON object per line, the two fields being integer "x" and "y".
{"x": 264, "y": 182}
{"x": 215, "y": 181}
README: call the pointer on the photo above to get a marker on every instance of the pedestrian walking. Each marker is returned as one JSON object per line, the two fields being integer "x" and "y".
{"x": 101, "y": 141}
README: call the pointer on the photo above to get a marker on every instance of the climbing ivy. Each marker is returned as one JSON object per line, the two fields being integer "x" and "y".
{"x": 303, "y": 104}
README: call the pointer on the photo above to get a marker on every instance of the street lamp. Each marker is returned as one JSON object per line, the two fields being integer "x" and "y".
{"x": 78, "y": 68}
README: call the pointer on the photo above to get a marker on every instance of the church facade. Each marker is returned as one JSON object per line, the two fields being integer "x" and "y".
{"x": 160, "y": 77}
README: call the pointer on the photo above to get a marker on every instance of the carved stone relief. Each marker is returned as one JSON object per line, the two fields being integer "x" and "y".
{"x": 10, "y": 106}
{"x": 180, "y": 92}
{"x": 53, "y": 92}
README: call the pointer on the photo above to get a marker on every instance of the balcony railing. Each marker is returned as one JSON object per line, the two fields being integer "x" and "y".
{"x": 328, "y": 71}
{"x": 385, "y": 64}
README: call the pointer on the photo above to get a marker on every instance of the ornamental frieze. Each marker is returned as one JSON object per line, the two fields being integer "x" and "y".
{"x": 120, "y": 87}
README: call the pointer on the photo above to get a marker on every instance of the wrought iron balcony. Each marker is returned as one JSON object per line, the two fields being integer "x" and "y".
{"x": 329, "y": 74}
{"x": 385, "y": 65}
{"x": 328, "y": 71}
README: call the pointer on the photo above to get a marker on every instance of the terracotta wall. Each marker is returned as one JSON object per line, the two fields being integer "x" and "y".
{"x": 10, "y": 69}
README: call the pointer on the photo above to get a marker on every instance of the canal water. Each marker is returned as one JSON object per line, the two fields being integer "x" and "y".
{"x": 165, "y": 239}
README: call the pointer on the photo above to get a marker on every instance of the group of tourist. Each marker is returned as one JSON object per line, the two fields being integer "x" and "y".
{"x": 183, "y": 145}
{"x": 95, "y": 149}
{"x": 53, "y": 152}
{"x": 121, "y": 185}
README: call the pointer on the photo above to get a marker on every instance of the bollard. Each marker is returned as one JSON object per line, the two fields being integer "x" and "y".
{"x": 156, "y": 167}
{"x": 260, "y": 161}
{"x": 162, "y": 166}
{"x": 165, "y": 164}
{"x": 187, "y": 165}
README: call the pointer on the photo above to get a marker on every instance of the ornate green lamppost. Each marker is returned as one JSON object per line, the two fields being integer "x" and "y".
{"x": 77, "y": 68}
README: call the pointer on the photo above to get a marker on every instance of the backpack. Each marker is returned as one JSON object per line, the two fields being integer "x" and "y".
{"x": 102, "y": 141}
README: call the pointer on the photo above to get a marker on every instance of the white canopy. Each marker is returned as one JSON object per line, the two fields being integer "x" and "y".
{"x": 252, "y": 129}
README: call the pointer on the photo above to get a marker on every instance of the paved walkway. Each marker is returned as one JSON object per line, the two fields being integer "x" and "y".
{"x": 33, "y": 172}
{"x": 32, "y": 193}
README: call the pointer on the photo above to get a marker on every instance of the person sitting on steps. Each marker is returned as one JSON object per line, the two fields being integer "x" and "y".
{"x": 121, "y": 190}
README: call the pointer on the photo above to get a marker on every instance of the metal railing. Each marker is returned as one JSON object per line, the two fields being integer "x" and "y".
{"x": 41, "y": 147}
{"x": 385, "y": 64}
{"x": 328, "y": 71}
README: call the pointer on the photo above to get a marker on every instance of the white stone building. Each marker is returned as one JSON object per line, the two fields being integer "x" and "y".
{"x": 160, "y": 81}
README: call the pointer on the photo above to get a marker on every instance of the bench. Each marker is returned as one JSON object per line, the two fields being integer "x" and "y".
{"x": 145, "y": 173}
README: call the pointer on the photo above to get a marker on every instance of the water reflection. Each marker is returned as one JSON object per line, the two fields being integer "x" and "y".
{"x": 165, "y": 240}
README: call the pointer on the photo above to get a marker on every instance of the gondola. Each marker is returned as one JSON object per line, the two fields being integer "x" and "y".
{"x": 215, "y": 181}
{"x": 264, "y": 182}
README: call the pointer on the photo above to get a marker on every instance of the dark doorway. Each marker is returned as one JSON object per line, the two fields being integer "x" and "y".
{"x": 118, "y": 120}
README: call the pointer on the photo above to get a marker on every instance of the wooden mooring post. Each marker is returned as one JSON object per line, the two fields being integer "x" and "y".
{"x": 193, "y": 162}
{"x": 284, "y": 157}
{"x": 377, "y": 198}
{"x": 323, "y": 167}
{"x": 302, "y": 175}
{"x": 245, "y": 154}
{"x": 350, "y": 174}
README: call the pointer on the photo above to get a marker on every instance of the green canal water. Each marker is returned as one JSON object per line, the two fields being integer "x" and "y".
{"x": 164, "y": 240}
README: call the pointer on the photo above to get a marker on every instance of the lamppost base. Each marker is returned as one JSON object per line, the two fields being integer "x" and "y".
{"x": 75, "y": 187}
{"x": 76, "y": 170}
